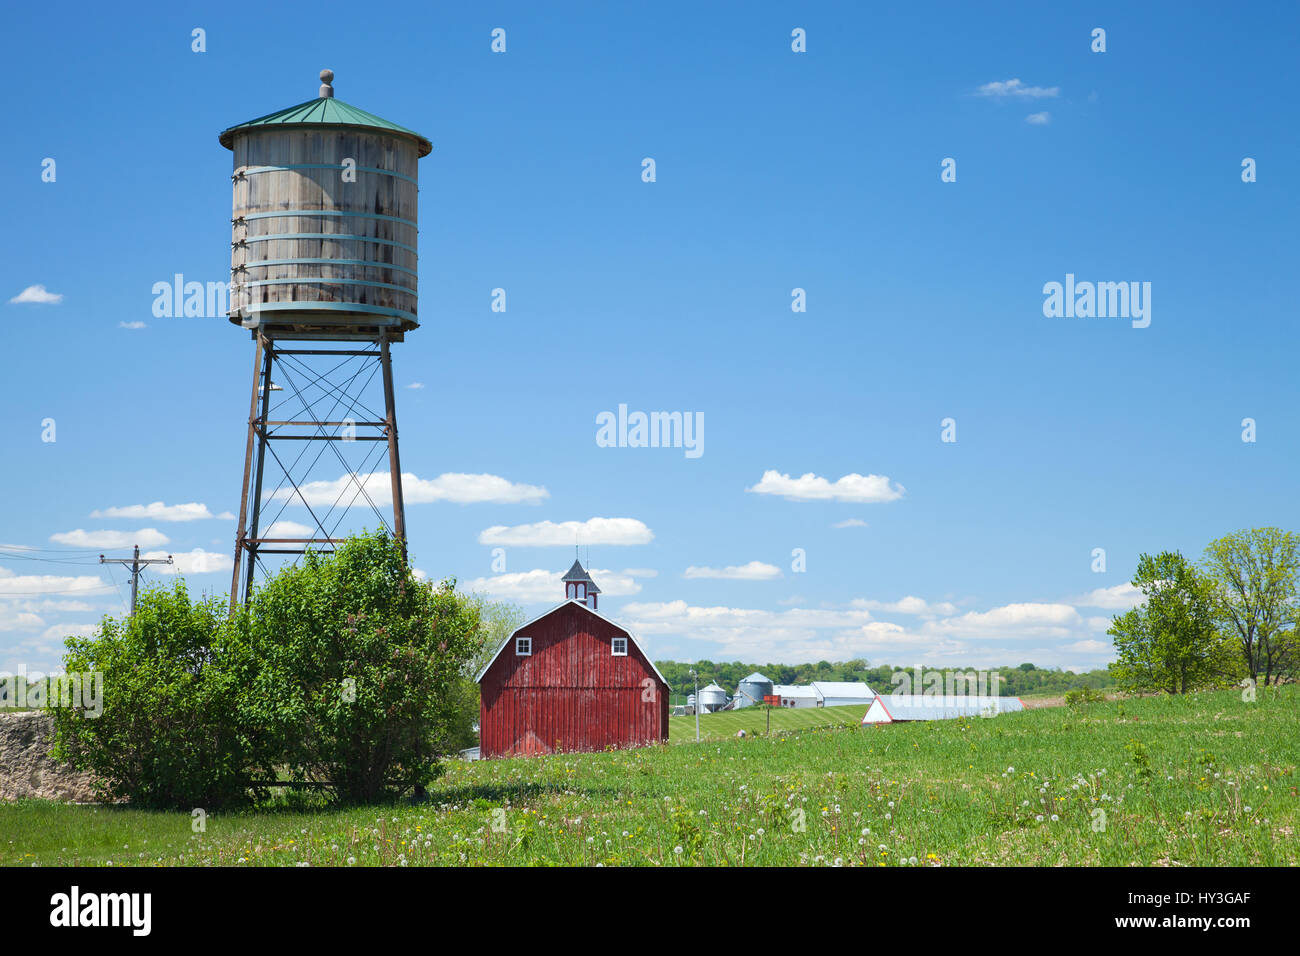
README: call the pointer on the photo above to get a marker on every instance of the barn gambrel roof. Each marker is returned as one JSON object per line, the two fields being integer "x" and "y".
{"x": 576, "y": 603}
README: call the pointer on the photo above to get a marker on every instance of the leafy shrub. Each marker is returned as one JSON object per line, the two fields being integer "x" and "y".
{"x": 359, "y": 665}
{"x": 172, "y": 733}
{"x": 1083, "y": 695}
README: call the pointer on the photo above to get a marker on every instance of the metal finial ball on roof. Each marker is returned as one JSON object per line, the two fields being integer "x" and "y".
{"x": 326, "y": 78}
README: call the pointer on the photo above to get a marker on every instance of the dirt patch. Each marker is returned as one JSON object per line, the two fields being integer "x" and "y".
{"x": 1035, "y": 702}
{"x": 26, "y": 768}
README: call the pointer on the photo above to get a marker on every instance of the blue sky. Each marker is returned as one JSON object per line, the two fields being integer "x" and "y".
{"x": 775, "y": 170}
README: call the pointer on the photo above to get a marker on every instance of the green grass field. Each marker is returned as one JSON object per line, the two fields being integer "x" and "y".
{"x": 1205, "y": 779}
{"x": 754, "y": 720}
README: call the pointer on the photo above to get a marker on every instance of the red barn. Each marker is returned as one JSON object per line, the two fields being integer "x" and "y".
{"x": 570, "y": 680}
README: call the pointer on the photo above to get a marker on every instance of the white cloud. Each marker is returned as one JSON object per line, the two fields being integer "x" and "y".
{"x": 1015, "y": 620}
{"x": 27, "y": 585}
{"x": 131, "y": 325}
{"x": 1016, "y": 88}
{"x": 1000, "y": 636}
{"x": 907, "y": 605}
{"x": 1089, "y": 646}
{"x": 453, "y": 487}
{"x": 288, "y": 529}
{"x": 753, "y": 571}
{"x": 850, "y": 523}
{"x": 1120, "y": 597}
{"x": 810, "y": 487}
{"x": 48, "y": 604}
{"x": 416, "y": 385}
{"x": 541, "y": 586}
{"x": 593, "y": 531}
{"x": 57, "y": 632}
{"x": 37, "y": 294}
{"x": 157, "y": 511}
{"x": 20, "y": 621}
{"x": 1039, "y": 119}
{"x": 798, "y": 634}
{"x": 145, "y": 537}
{"x": 197, "y": 561}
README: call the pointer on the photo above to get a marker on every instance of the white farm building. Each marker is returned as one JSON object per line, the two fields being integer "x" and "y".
{"x": 795, "y": 695}
{"x": 833, "y": 693}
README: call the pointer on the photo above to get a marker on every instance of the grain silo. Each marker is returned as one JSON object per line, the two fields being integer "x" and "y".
{"x": 323, "y": 275}
{"x": 752, "y": 690}
{"x": 712, "y": 698}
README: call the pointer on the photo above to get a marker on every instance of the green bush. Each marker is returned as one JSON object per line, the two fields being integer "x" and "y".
{"x": 359, "y": 664}
{"x": 173, "y": 732}
{"x": 347, "y": 671}
{"x": 1083, "y": 695}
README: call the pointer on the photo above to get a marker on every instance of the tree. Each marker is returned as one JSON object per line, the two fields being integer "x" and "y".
{"x": 359, "y": 664}
{"x": 1169, "y": 643}
{"x": 497, "y": 621}
{"x": 173, "y": 733}
{"x": 1255, "y": 576}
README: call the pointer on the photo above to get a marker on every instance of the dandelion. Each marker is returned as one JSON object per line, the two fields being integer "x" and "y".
{"x": 677, "y": 850}
{"x": 1039, "y": 818}
{"x": 1055, "y": 818}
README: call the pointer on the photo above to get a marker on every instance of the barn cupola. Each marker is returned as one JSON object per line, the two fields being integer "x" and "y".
{"x": 578, "y": 586}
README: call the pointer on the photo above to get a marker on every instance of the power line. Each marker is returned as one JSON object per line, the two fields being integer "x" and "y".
{"x": 137, "y": 564}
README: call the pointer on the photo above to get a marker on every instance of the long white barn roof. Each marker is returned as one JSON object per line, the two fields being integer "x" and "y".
{"x": 894, "y": 707}
{"x": 841, "y": 688}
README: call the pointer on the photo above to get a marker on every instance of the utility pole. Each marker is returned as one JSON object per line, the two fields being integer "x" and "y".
{"x": 697, "y": 704}
{"x": 137, "y": 564}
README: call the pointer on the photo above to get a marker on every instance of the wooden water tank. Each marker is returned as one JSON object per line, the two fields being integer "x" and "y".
{"x": 324, "y": 222}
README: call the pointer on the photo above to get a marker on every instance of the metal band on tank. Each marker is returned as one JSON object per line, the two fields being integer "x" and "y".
{"x": 322, "y": 212}
{"x": 323, "y": 235}
{"x": 332, "y": 262}
{"x": 255, "y": 308}
{"x": 301, "y": 280}
{"x": 250, "y": 170}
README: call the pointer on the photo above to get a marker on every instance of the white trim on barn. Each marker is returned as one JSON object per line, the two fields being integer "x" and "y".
{"x": 528, "y": 624}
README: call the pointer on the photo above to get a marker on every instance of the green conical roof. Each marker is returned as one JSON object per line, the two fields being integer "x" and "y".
{"x": 325, "y": 111}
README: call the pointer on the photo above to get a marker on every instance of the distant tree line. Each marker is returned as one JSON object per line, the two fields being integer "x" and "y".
{"x": 1015, "y": 681}
{"x": 1230, "y": 620}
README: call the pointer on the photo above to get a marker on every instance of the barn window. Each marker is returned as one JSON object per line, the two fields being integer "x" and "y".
{"x": 620, "y": 647}
{"x": 524, "y": 646}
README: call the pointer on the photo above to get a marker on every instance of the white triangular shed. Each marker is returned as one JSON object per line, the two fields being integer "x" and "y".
{"x": 900, "y": 708}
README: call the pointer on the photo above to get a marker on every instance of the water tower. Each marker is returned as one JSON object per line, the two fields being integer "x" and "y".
{"x": 323, "y": 276}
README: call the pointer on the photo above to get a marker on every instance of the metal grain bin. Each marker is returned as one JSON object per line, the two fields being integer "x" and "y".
{"x": 752, "y": 690}
{"x": 711, "y": 698}
{"x": 324, "y": 221}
